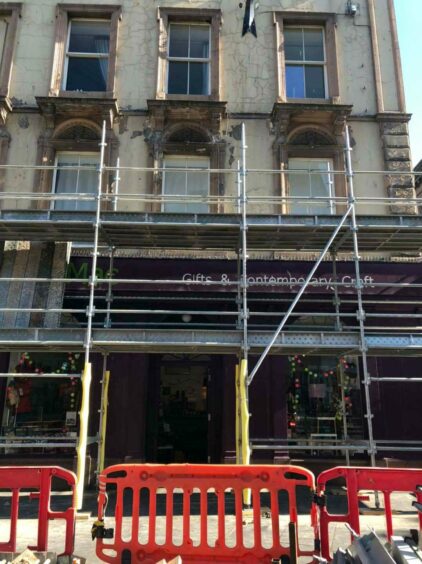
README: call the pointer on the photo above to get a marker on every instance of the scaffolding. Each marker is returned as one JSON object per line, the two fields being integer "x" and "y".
{"x": 241, "y": 232}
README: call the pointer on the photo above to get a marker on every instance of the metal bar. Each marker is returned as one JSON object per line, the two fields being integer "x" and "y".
{"x": 299, "y": 294}
{"x": 39, "y": 445}
{"x": 360, "y": 312}
{"x": 116, "y": 184}
{"x": 102, "y": 427}
{"x": 343, "y": 410}
{"x": 109, "y": 297}
{"x": 86, "y": 377}
{"x": 398, "y": 379}
{"x": 37, "y": 375}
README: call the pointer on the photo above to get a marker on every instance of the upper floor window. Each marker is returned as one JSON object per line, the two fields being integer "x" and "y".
{"x": 186, "y": 190}
{"x": 305, "y": 59}
{"x": 311, "y": 179}
{"x": 76, "y": 178}
{"x": 87, "y": 54}
{"x": 85, "y": 50}
{"x": 189, "y": 59}
{"x": 189, "y": 53}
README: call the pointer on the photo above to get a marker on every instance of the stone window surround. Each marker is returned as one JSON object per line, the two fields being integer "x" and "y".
{"x": 166, "y": 16}
{"x": 12, "y": 10}
{"x": 215, "y": 152}
{"x": 50, "y": 144}
{"x": 328, "y": 22}
{"x": 64, "y": 13}
{"x": 333, "y": 152}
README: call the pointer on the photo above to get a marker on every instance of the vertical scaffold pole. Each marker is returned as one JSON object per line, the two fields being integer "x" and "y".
{"x": 103, "y": 417}
{"x": 86, "y": 376}
{"x": 243, "y": 367}
{"x": 359, "y": 287}
{"x": 109, "y": 296}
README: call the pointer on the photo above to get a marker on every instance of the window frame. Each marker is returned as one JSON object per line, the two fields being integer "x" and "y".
{"x": 81, "y": 55}
{"x": 306, "y": 63}
{"x": 189, "y": 59}
{"x": 327, "y": 21}
{"x": 185, "y": 158}
{"x": 332, "y": 189}
{"x": 194, "y": 16}
{"x": 12, "y": 11}
{"x": 65, "y": 13}
{"x": 54, "y": 179}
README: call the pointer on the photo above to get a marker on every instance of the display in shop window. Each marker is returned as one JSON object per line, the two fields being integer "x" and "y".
{"x": 38, "y": 405}
{"x": 322, "y": 392}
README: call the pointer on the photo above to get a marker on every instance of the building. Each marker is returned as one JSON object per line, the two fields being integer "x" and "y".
{"x": 189, "y": 275}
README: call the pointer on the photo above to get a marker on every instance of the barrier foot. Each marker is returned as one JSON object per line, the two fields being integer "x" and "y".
{"x": 293, "y": 543}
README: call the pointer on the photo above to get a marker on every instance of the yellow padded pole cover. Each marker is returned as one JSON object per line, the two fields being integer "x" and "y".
{"x": 83, "y": 435}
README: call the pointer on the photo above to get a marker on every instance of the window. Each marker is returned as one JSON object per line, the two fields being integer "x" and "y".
{"x": 189, "y": 54}
{"x": 186, "y": 183}
{"x": 87, "y": 55}
{"x": 84, "y": 60}
{"x": 189, "y": 59}
{"x": 9, "y": 16}
{"x": 318, "y": 184}
{"x": 305, "y": 62}
{"x": 79, "y": 181}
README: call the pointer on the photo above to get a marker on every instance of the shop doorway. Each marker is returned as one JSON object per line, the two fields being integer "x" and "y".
{"x": 181, "y": 425}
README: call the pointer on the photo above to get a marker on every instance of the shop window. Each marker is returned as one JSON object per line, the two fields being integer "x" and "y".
{"x": 76, "y": 175}
{"x": 322, "y": 392}
{"x": 87, "y": 53}
{"x": 189, "y": 62}
{"x": 188, "y": 190}
{"x": 308, "y": 179}
{"x": 43, "y": 406}
{"x": 304, "y": 51}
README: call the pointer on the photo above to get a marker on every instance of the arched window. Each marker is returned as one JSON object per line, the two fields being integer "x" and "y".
{"x": 310, "y": 158}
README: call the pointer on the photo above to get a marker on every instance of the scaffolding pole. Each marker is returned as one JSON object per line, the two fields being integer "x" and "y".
{"x": 102, "y": 427}
{"x": 87, "y": 372}
{"x": 360, "y": 312}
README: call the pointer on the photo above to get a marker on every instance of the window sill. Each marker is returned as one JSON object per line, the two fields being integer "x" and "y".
{"x": 188, "y": 98}
{"x": 76, "y": 94}
{"x": 310, "y": 100}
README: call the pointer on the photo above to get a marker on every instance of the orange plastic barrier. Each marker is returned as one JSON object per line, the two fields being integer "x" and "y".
{"x": 151, "y": 537}
{"x": 383, "y": 480}
{"x": 17, "y": 478}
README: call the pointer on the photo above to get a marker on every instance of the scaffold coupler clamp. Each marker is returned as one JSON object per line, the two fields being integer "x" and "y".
{"x": 98, "y": 531}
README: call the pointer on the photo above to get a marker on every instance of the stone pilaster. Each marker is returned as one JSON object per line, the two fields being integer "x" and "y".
{"x": 397, "y": 158}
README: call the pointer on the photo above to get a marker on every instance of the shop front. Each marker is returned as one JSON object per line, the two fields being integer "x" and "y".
{"x": 173, "y": 407}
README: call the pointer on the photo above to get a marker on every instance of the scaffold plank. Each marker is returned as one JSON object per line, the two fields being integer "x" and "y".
{"x": 212, "y": 231}
{"x": 207, "y": 341}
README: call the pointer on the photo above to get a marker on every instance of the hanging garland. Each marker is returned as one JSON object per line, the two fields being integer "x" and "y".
{"x": 298, "y": 368}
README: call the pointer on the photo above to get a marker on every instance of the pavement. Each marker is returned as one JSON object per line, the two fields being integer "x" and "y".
{"x": 404, "y": 519}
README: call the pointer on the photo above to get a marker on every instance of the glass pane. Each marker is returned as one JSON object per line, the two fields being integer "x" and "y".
{"x": 174, "y": 184}
{"x": 314, "y": 185}
{"x": 87, "y": 181}
{"x": 89, "y": 37}
{"x": 295, "y": 82}
{"x": 179, "y": 41}
{"x": 75, "y": 181}
{"x": 314, "y": 78}
{"x": 199, "y": 41}
{"x": 199, "y": 78}
{"x": 314, "y": 44}
{"x": 178, "y": 78}
{"x": 87, "y": 75}
{"x": 293, "y": 45}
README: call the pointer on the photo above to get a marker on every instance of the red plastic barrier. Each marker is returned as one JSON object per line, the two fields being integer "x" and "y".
{"x": 17, "y": 478}
{"x": 140, "y": 539}
{"x": 383, "y": 480}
